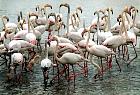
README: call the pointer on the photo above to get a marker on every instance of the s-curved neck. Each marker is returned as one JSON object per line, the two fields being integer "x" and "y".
{"x": 56, "y": 49}
{"x": 123, "y": 26}
{"x": 109, "y": 22}
{"x": 87, "y": 47}
{"x": 46, "y": 49}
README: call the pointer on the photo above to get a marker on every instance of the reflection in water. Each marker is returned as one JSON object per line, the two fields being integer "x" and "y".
{"x": 126, "y": 82}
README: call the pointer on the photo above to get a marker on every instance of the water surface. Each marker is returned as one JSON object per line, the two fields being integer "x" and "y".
{"x": 114, "y": 82}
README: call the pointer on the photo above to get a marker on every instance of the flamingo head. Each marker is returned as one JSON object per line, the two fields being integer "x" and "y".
{"x": 49, "y": 39}
{"x": 84, "y": 31}
{"x": 34, "y": 42}
{"x": 59, "y": 17}
{"x": 5, "y": 17}
{"x": 33, "y": 14}
{"x": 102, "y": 11}
{"x": 47, "y": 5}
{"x": 65, "y": 5}
{"x": 51, "y": 19}
{"x": 80, "y": 9}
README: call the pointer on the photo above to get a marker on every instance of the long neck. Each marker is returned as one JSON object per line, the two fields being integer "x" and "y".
{"x": 68, "y": 16}
{"x": 45, "y": 11}
{"x": 56, "y": 49}
{"x": 98, "y": 25}
{"x": 87, "y": 47}
{"x": 32, "y": 26}
{"x": 109, "y": 23}
{"x": 127, "y": 17}
{"x": 134, "y": 18}
{"x": 46, "y": 49}
{"x": 123, "y": 25}
{"x": 28, "y": 24}
{"x": 3, "y": 23}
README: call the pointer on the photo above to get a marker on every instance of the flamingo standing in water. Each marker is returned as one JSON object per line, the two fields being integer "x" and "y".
{"x": 99, "y": 51}
{"x": 16, "y": 59}
{"x": 68, "y": 58}
{"x": 132, "y": 39}
{"x": 136, "y": 25}
{"x": 46, "y": 63}
{"x": 118, "y": 40}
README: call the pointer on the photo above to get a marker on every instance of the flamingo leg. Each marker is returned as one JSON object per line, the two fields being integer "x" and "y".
{"x": 5, "y": 60}
{"x": 135, "y": 55}
{"x": 45, "y": 75}
{"x": 68, "y": 73}
{"x": 73, "y": 73}
{"x": 102, "y": 66}
{"x": 58, "y": 73}
{"x": 117, "y": 63}
{"x": 85, "y": 64}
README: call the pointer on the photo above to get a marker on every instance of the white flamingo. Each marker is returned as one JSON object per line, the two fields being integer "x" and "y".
{"x": 46, "y": 63}
{"x": 18, "y": 45}
{"x": 16, "y": 59}
{"x": 136, "y": 27}
{"x": 99, "y": 51}
{"x": 68, "y": 58}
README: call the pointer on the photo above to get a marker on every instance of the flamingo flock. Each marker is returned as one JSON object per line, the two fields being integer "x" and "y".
{"x": 21, "y": 41}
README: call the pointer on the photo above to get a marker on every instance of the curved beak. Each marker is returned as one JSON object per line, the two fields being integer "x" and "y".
{"x": 33, "y": 14}
{"x": 47, "y": 5}
{"x": 5, "y": 17}
{"x": 65, "y": 5}
{"x": 111, "y": 10}
{"x": 54, "y": 15}
{"x": 84, "y": 31}
{"x": 80, "y": 9}
{"x": 21, "y": 14}
{"x": 96, "y": 12}
{"x": 102, "y": 11}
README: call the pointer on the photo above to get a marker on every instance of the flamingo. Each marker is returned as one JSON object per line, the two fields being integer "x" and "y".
{"x": 36, "y": 19}
{"x": 31, "y": 63}
{"x": 75, "y": 20}
{"x": 99, "y": 51}
{"x": 18, "y": 45}
{"x": 118, "y": 40}
{"x": 101, "y": 36}
{"x": 132, "y": 39}
{"x": 10, "y": 27}
{"x": 43, "y": 19}
{"x": 77, "y": 15}
{"x": 136, "y": 27}
{"x": 16, "y": 59}
{"x": 68, "y": 58}
{"x": 117, "y": 27}
{"x": 46, "y": 63}
{"x": 101, "y": 21}
{"x": 74, "y": 36}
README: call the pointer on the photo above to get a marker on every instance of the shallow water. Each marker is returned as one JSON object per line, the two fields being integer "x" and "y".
{"x": 114, "y": 82}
